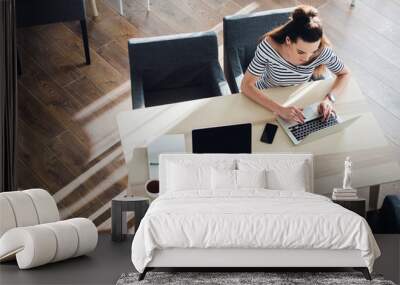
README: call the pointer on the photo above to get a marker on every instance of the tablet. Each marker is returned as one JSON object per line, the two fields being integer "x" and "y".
{"x": 225, "y": 139}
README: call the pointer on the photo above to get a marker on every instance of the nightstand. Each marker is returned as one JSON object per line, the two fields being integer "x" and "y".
{"x": 358, "y": 205}
{"x": 119, "y": 207}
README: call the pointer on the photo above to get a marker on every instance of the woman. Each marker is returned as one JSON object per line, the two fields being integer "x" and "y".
{"x": 291, "y": 54}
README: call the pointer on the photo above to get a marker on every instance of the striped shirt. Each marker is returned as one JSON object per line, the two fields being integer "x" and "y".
{"x": 273, "y": 70}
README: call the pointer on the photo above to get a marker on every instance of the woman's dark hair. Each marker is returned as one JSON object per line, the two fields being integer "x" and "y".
{"x": 305, "y": 24}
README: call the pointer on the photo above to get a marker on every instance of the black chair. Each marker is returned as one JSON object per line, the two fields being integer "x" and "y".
{"x": 386, "y": 220}
{"x": 41, "y": 12}
{"x": 176, "y": 68}
{"x": 242, "y": 33}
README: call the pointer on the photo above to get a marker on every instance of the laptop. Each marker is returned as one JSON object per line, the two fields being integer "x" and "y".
{"x": 226, "y": 139}
{"x": 313, "y": 127}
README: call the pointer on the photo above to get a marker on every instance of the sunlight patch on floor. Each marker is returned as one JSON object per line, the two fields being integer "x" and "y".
{"x": 103, "y": 101}
{"x": 70, "y": 187}
{"x": 103, "y": 186}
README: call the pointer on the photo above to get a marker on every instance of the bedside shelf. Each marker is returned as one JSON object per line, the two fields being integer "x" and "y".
{"x": 356, "y": 205}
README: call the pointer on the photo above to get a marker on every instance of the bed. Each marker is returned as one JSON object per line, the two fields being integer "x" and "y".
{"x": 247, "y": 210}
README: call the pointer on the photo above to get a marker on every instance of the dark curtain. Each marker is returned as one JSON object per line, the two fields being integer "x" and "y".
{"x": 8, "y": 96}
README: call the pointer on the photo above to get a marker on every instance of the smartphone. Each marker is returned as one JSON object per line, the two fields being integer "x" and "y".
{"x": 269, "y": 133}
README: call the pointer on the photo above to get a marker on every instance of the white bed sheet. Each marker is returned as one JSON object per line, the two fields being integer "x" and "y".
{"x": 251, "y": 218}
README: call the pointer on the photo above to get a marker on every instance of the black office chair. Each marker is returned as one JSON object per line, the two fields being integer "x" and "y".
{"x": 386, "y": 220}
{"x": 41, "y": 12}
{"x": 176, "y": 68}
{"x": 242, "y": 34}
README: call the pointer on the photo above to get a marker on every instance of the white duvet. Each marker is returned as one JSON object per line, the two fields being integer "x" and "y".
{"x": 250, "y": 219}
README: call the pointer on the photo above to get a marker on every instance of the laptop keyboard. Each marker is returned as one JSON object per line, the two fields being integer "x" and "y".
{"x": 300, "y": 131}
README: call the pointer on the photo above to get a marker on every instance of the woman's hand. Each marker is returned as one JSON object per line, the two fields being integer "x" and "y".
{"x": 326, "y": 109}
{"x": 291, "y": 114}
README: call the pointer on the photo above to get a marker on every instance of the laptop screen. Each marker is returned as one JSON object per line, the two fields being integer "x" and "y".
{"x": 226, "y": 139}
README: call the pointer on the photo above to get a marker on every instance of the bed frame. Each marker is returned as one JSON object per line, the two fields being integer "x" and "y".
{"x": 242, "y": 258}
{"x": 256, "y": 258}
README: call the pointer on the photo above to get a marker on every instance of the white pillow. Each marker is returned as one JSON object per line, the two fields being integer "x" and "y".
{"x": 282, "y": 174}
{"x": 223, "y": 179}
{"x": 183, "y": 177}
{"x": 235, "y": 179}
{"x": 189, "y": 175}
{"x": 251, "y": 178}
{"x": 293, "y": 180}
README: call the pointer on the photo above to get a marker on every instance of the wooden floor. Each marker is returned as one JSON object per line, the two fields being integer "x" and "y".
{"x": 68, "y": 139}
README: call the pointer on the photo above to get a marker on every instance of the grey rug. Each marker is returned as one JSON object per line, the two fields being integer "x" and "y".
{"x": 243, "y": 278}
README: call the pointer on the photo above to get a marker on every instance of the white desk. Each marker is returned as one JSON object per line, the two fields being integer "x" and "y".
{"x": 374, "y": 160}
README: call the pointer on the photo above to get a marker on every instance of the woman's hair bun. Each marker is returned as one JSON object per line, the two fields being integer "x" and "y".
{"x": 302, "y": 14}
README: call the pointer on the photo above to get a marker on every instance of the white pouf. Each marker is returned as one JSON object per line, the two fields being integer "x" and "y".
{"x": 87, "y": 233}
{"x": 46, "y": 207}
{"x": 33, "y": 246}
{"x": 7, "y": 216}
{"x": 22, "y": 207}
{"x": 31, "y": 232}
{"x": 66, "y": 237}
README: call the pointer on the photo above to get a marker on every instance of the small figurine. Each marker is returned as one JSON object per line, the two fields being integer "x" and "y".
{"x": 347, "y": 174}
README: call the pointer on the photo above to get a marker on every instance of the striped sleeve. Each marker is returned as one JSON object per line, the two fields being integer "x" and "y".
{"x": 333, "y": 62}
{"x": 258, "y": 64}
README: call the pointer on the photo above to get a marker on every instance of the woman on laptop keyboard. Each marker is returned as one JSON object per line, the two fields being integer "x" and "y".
{"x": 291, "y": 54}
